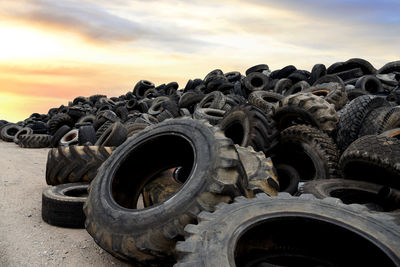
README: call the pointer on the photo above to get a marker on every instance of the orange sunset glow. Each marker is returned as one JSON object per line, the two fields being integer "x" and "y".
{"x": 54, "y": 51}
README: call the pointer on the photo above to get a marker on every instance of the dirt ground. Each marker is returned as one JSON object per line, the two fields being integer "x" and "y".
{"x": 25, "y": 240}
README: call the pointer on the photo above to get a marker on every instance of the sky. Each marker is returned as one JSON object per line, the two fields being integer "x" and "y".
{"x": 53, "y": 51}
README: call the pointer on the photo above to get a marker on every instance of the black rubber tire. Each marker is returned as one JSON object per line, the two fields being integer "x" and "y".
{"x": 352, "y": 63}
{"x": 390, "y": 67}
{"x": 114, "y": 136}
{"x": 247, "y": 125}
{"x": 103, "y": 128}
{"x": 141, "y": 87}
{"x": 297, "y": 88}
{"x": 354, "y": 93}
{"x": 212, "y": 115}
{"x": 308, "y": 109}
{"x": 370, "y": 84}
{"x": 310, "y": 151}
{"x": 260, "y": 171}
{"x": 286, "y": 71}
{"x": 317, "y": 72}
{"x": 34, "y": 140}
{"x": 349, "y": 74}
{"x": 75, "y": 163}
{"x": 189, "y": 100}
{"x": 350, "y": 192}
{"x": 62, "y": 205}
{"x": 353, "y": 115}
{"x": 288, "y": 177}
{"x": 134, "y": 128}
{"x": 380, "y": 120}
{"x": 373, "y": 159}
{"x": 88, "y": 118}
{"x": 134, "y": 234}
{"x": 87, "y": 135}
{"x": 25, "y": 130}
{"x": 9, "y": 131}
{"x": 70, "y": 138}
{"x": 290, "y": 231}
{"x": 257, "y": 68}
{"x": 55, "y": 139}
{"x": 215, "y": 100}
{"x": 333, "y": 93}
{"x": 59, "y": 120}
{"x": 282, "y": 86}
{"x": 265, "y": 100}
{"x": 256, "y": 81}
{"x": 38, "y": 127}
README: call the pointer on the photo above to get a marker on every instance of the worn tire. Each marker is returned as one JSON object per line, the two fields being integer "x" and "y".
{"x": 74, "y": 164}
{"x": 265, "y": 100}
{"x": 260, "y": 171}
{"x": 113, "y": 136}
{"x": 59, "y": 120}
{"x": 25, "y": 130}
{"x": 350, "y": 192}
{"x": 87, "y": 135}
{"x": 311, "y": 152}
{"x": 70, "y": 138}
{"x": 308, "y": 109}
{"x": 9, "y": 131}
{"x": 212, "y": 115}
{"x": 62, "y": 205}
{"x": 247, "y": 125}
{"x": 288, "y": 178}
{"x": 353, "y": 115}
{"x": 380, "y": 120}
{"x": 373, "y": 159}
{"x": 333, "y": 93}
{"x": 286, "y": 231}
{"x": 134, "y": 234}
{"x": 34, "y": 141}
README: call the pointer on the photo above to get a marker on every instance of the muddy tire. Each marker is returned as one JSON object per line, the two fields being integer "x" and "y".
{"x": 350, "y": 192}
{"x": 333, "y": 93}
{"x": 260, "y": 171}
{"x": 62, "y": 205}
{"x": 265, "y": 100}
{"x": 353, "y": 115}
{"x": 25, "y": 130}
{"x": 311, "y": 152}
{"x": 374, "y": 159}
{"x": 247, "y": 125}
{"x": 264, "y": 231}
{"x": 132, "y": 234}
{"x": 34, "y": 141}
{"x": 306, "y": 108}
{"x": 74, "y": 164}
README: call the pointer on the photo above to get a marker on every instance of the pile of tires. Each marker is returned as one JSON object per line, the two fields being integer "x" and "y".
{"x": 270, "y": 168}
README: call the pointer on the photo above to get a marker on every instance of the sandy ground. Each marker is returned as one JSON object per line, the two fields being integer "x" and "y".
{"x": 25, "y": 240}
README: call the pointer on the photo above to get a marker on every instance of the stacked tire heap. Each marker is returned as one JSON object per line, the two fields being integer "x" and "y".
{"x": 192, "y": 176}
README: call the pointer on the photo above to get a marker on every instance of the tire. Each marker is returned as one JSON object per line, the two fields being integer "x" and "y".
{"x": 256, "y": 68}
{"x": 306, "y": 108}
{"x": 260, "y": 171}
{"x": 62, "y": 205}
{"x": 134, "y": 128}
{"x": 212, "y": 115}
{"x": 70, "y": 138}
{"x": 354, "y": 93}
{"x": 256, "y": 82}
{"x": 370, "y": 84}
{"x": 333, "y": 93}
{"x": 114, "y": 136}
{"x": 353, "y": 115}
{"x": 55, "y": 139}
{"x": 133, "y": 234}
{"x": 59, "y": 120}
{"x": 141, "y": 87}
{"x": 311, "y": 152}
{"x": 285, "y": 231}
{"x": 25, "y": 130}
{"x": 74, "y": 164}
{"x": 350, "y": 192}
{"x": 87, "y": 135}
{"x": 378, "y": 121}
{"x": 288, "y": 178}
{"x": 317, "y": 72}
{"x": 390, "y": 67}
{"x": 247, "y": 125}
{"x": 9, "y": 131}
{"x": 265, "y": 100}
{"x": 297, "y": 88}
{"x": 103, "y": 128}
{"x": 282, "y": 86}
{"x": 34, "y": 141}
{"x": 88, "y": 118}
{"x": 374, "y": 159}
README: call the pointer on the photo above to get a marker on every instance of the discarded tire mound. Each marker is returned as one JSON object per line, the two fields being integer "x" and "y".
{"x": 283, "y": 165}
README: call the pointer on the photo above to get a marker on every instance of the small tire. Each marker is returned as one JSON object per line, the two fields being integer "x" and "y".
{"x": 70, "y": 138}
{"x": 62, "y": 205}
{"x": 114, "y": 136}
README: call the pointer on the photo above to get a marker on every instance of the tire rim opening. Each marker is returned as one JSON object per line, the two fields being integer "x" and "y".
{"x": 303, "y": 241}
{"x": 148, "y": 163}
{"x": 235, "y": 131}
{"x": 77, "y": 192}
